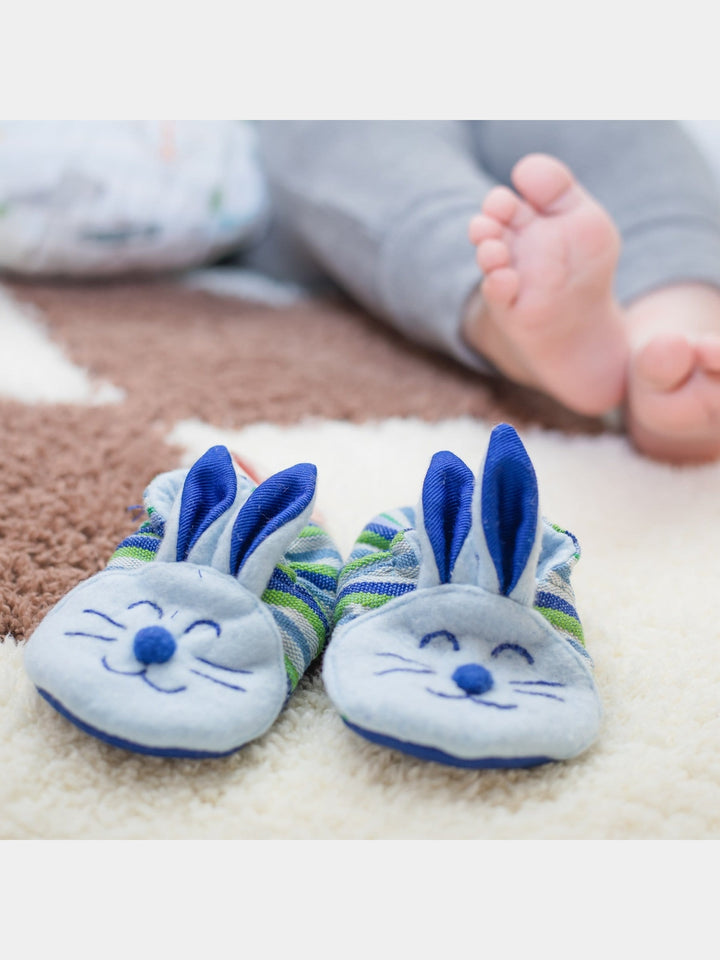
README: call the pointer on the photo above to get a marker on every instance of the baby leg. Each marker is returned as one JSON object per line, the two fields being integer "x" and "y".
{"x": 383, "y": 208}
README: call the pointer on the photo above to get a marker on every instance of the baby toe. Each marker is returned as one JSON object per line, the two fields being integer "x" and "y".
{"x": 492, "y": 254}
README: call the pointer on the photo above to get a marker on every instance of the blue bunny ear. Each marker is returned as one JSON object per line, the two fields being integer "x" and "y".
{"x": 276, "y": 502}
{"x": 209, "y": 490}
{"x": 447, "y": 509}
{"x": 509, "y": 506}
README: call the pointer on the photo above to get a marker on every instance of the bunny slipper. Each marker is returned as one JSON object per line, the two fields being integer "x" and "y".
{"x": 456, "y": 636}
{"x": 190, "y": 641}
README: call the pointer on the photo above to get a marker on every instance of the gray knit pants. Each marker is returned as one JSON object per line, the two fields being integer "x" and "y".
{"x": 382, "y": 208}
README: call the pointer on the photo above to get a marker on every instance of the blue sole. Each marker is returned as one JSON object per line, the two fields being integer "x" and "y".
{"x": 129, "y": 744}
{"x": 439, "y": 756}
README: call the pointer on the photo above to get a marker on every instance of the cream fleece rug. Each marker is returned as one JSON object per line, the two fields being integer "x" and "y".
{"x": 646, "y": 586}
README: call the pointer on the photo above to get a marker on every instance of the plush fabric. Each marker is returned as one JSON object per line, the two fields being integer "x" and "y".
{"x": 471, "y": 673}
{"x": 446, "y": 499}
{"x": 183, "y": 646}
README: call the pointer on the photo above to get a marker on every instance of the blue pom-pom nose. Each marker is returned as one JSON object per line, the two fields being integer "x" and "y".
{"x": 473, "y": 679}
{"x": 154, "y": 645}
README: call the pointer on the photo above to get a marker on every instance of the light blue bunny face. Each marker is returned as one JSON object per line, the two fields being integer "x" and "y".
{"x": 171, "y": 656}
{"x": 469, "y": 674}
{"x": 179, "y": 656}
{"x": 458, "y": 666}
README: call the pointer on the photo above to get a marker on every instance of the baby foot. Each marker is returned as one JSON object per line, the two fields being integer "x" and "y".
{"x": 545, "y": 315}
{"x": 673, "y": 411}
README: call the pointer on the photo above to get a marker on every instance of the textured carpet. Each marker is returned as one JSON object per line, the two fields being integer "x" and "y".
{"x": 103, "y": 387}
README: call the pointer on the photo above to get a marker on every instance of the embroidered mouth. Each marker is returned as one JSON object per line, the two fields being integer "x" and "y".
{"x": 475, "y": 699}
{"x": 142, "y": 674}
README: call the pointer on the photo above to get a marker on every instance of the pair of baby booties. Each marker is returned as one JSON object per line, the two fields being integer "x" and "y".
{"x": 454, "y": 632}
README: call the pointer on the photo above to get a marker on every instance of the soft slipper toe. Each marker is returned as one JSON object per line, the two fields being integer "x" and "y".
{"x": 457, "y": 638}
{"x": 191, "y": 640}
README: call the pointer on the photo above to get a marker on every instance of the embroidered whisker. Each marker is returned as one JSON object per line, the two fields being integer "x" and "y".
{"x": 223, "y": 683}
{"x": 106, "y": 617}
{"x": 533, "y": 693}
{"x": 491, "y": 703}
{"x": 219, "y": 666}
{"x": 380, "y": 673}
{"x": 544, "y": 683}
{"x": 95, "y": 636}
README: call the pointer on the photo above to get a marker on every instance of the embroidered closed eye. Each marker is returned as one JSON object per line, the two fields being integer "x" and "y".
{"x": 149, "y": 603}
{"x": 204, "y": 623}
{"x": 440, "y": 636}
{"x": 514, "y": 648}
